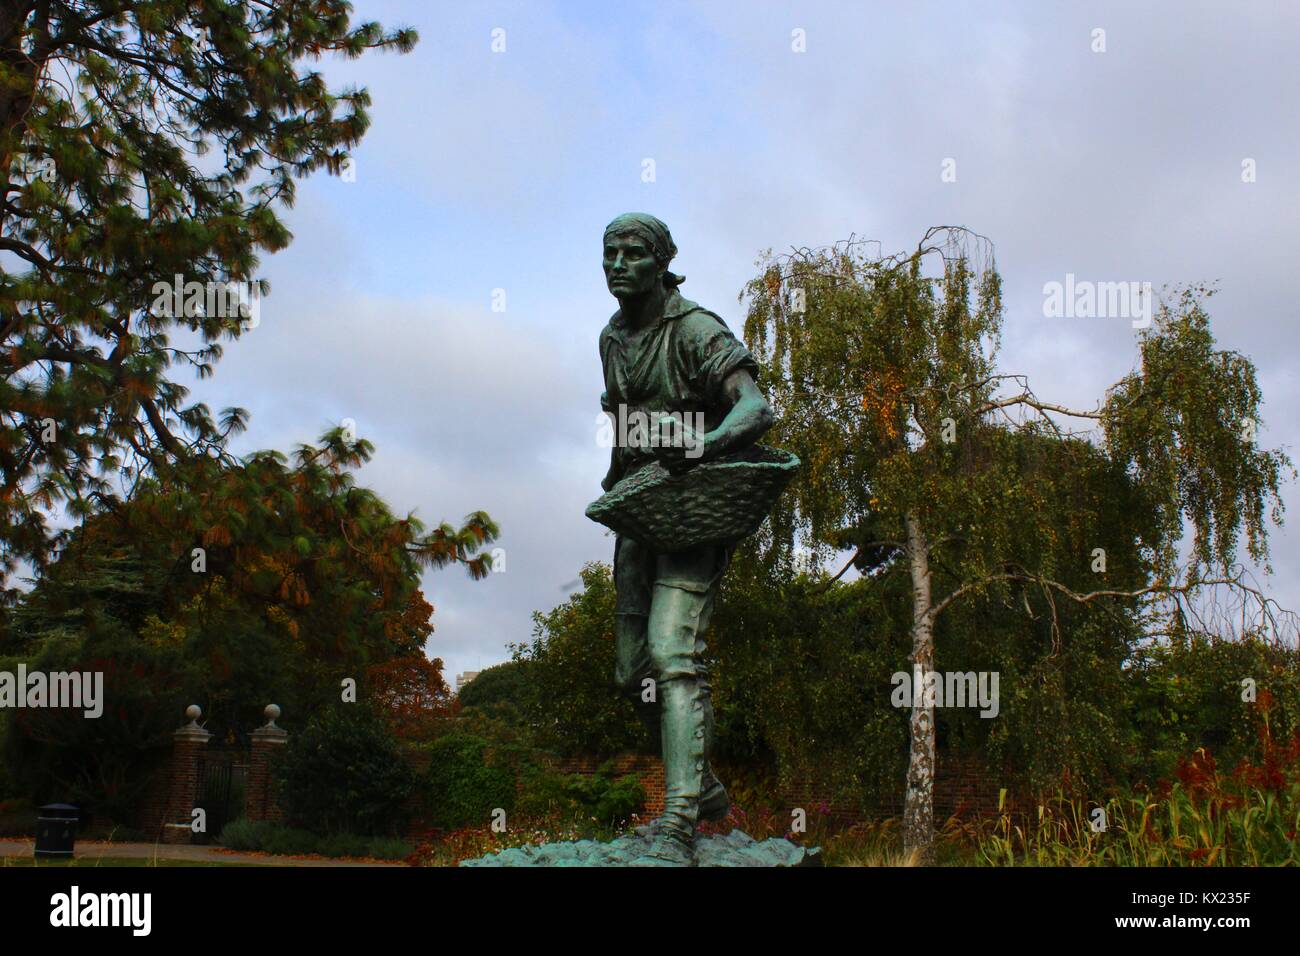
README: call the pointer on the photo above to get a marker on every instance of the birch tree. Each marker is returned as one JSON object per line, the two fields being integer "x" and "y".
{"x": 884, "y": 373}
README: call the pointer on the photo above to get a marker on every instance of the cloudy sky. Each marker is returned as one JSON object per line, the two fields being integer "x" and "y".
{"x": 490, "y": 170}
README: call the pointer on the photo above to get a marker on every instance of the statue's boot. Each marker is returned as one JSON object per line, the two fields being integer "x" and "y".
{"x": 632, "y": 666}
{"x": 715, "y": 803}
{"x": 683, "y": 721}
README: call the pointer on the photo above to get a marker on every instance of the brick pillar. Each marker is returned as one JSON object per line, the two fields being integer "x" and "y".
{"x": 188, "y": 746}
{"x": 262, "y": 800}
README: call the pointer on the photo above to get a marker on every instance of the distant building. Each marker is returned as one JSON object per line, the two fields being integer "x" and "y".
{"x": 465, "y": 678}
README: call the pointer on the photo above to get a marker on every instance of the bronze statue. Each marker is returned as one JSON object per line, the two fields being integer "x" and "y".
{"x": 686, "y": 482}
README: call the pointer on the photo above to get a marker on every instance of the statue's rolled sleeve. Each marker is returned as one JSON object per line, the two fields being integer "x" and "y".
{"x": 716, "y": 355}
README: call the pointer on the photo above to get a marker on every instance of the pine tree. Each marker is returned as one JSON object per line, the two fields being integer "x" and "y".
{"x": 143, "y": 143}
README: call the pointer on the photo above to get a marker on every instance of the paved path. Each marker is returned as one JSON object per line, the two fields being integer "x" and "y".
{"x": 98, "y": 849}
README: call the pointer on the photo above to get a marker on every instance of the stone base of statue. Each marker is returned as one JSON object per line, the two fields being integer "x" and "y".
{"x": 732, "y": 849}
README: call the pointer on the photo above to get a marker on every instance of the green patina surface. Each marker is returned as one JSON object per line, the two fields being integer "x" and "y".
{"x": 734, "y": 849}
{"x": 679, "y": 506}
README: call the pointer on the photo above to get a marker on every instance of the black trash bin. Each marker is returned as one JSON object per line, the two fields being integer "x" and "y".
{"x": 56, "y": 829}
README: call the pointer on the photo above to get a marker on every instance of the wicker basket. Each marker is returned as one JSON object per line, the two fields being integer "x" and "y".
{"x": 713, "y": 503}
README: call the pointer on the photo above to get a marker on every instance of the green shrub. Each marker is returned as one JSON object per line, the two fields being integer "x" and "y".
{"x": 266, "y": 837}
{"x": 344, "y": 773}
{"x": 609, "y": 801}
{"x": 386, "y": 848}
{"x": 555, "y": 796}
{"x": 246, "y": 834}
{"x": 571, "y": 660}
{"x": 291, "y": 841}
{"x": 464, "y": 784}
{"x": 1187, "y": 694}
{"x": 619, "y": 799}
{"x": 544, "y": 794}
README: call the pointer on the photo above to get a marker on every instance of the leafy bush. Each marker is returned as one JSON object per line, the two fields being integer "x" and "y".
{"x": 566, "y": 693}
{"x": 387, "y": 848}
{"x": 609, "y": 801}
{"x": 103, "y": 766}
{"x": 291, "y": 841}
{"x": 267, "y": 837}
{"x": 464, "y": 783}
{"x": 1187, "y": 694}
{"x": 547, "y": 795}
{"x": 344, "y": 773}
{"x": 246, "y": 834}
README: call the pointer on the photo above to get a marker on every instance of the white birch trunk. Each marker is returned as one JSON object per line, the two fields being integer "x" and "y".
{"x": 918, "y": 805}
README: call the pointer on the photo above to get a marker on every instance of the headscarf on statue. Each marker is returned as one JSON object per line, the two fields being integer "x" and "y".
{"x": 656, "y": 236}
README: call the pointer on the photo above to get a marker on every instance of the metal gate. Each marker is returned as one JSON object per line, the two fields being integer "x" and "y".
{"x": 220, "y": 793}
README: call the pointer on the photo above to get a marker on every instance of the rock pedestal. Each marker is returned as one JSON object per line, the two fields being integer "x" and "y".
{"x": 733, "y": 849}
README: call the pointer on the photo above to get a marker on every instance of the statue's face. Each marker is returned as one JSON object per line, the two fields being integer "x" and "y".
{"x": 631, "y": 269}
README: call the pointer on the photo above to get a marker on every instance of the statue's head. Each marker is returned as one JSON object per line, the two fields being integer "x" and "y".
{"x": 638, "y": 249}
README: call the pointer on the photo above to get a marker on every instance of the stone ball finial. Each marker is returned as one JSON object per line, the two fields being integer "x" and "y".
{"x": 193, "y": 712}
{"x": 269, "y": 733}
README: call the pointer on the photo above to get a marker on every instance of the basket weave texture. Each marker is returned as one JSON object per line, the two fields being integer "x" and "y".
{"x": 714, "y": 503}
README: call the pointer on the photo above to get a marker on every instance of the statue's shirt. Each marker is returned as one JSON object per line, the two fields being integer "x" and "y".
{"x": 677, "y": 366}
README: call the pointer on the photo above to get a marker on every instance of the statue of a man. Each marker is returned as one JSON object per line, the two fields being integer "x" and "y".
{"x": 665, "y": 355}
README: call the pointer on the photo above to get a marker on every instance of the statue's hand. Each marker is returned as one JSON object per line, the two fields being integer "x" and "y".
{"x": 680, "y": 447}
